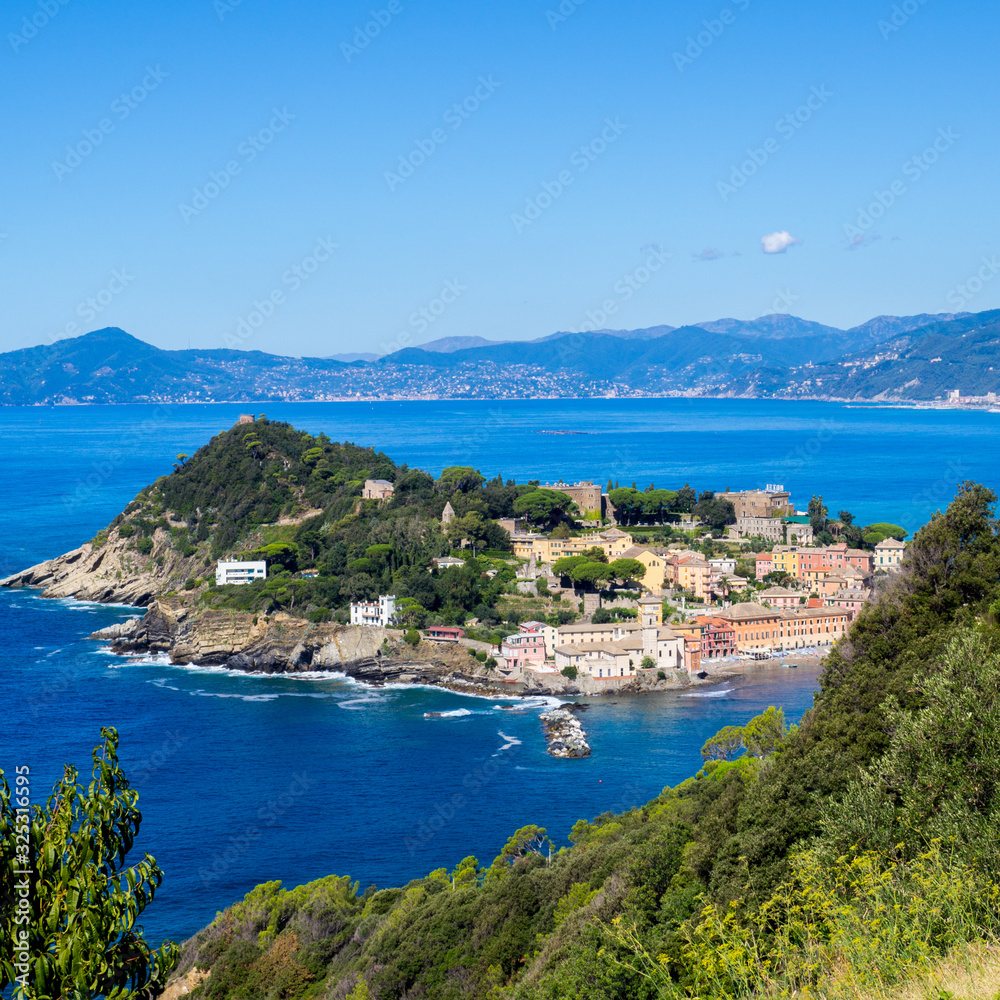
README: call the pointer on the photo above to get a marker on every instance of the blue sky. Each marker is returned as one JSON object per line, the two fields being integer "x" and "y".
{"x": 621, "y": 155}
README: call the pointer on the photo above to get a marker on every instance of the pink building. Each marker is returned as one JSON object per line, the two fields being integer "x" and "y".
{"x": 764, "y": 563}
{"x": 850, "y": 599}
{"x": 779, "y": 597}
{"x": 445, "y": 633}
{"x": 524, "y": 649}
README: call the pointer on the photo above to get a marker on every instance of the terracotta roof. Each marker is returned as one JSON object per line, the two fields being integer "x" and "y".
{"x": 635, "y": 551}
{"x": 584, "y": 627}
{"x": 890, "y": 543}
{"x": 748, "y": 609}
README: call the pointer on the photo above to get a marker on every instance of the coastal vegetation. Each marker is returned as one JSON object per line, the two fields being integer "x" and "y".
{"x": 69, "y": 905}
{"x": 264, "y": 490}
{"x": 848, "y": 856}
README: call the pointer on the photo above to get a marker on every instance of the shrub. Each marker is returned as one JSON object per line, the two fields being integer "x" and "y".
{"x": 125, "y": 530}
{"x": 412, "y": 637}
{"x": 570, "y": 672}
{"x": 481, "y": 655}
{"x": 144, "y": 546}
{"x": 660, "y": 675}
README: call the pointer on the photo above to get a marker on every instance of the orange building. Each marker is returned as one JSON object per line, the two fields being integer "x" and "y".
{"x": 760, "y": 629}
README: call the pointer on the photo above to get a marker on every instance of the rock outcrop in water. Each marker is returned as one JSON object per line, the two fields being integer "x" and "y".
{"x": 564, "y": 734}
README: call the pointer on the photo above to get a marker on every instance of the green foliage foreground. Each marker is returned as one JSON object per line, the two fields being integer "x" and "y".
{"x": 69, "y": 905}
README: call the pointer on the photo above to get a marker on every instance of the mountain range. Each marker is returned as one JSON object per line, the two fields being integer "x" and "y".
{"x": 777, "y": 356}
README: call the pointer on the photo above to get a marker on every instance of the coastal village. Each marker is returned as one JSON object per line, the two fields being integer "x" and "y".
{"x": 683, "y": 615}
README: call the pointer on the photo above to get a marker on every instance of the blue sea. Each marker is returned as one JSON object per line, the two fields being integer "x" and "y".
{"x": 245, "y": 779}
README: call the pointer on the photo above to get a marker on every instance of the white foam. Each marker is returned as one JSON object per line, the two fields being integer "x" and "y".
{"x": 455, "y": 713}
{"x": 355, "y": 704}
{"x": 147, "y": 660}
{"x": 237, "y": 697}
{"x": 709, "y": 694}
{"x": 161, "y": 682}
{"x": 512, "y": 741}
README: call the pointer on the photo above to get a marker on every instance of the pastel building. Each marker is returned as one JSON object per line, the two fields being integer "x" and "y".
{"x": 779, "y": 597}
{"x": 380, "y": 612}
{"x": 526, "y": 649}
{"x": 889, "y": 554}
{"x": 377, "y": 489}
{"x": 233, "y": 572}
{"x": 549, "y": 634}
{"x": 543, "y": 549}
{"x": 764, "y": 630}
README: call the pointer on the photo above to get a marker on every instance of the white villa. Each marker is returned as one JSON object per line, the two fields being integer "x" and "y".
{"x": 380, "y": 612}
{"x": 239, "y": 572}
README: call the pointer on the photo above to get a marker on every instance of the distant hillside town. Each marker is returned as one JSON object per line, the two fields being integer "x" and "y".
{"x": 947, "y": 360}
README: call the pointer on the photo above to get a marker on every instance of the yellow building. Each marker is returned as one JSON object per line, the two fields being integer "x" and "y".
{"x": 543, "y": 549}
{"x": 785, "y": 558}
{"x": 655, "y": 564}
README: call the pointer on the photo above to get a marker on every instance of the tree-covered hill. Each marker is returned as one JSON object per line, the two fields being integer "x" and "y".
{"x": 851, "y": 853}
{"x": 265, "y": 490}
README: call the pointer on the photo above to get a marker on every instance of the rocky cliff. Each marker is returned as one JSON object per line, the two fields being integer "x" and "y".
{"x": 281, "y": 643}
{"x": 110, "y": 569}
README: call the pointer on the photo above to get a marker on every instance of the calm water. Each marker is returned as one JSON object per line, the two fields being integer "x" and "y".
{"x": 245, "y": 779}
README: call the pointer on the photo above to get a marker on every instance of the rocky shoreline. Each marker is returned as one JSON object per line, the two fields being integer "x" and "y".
{"x": 282, "y": 643}
{"x": 564, "y": 733}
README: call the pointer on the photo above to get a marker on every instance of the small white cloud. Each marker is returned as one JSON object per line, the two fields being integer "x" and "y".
{"x": 777, "y": 242}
